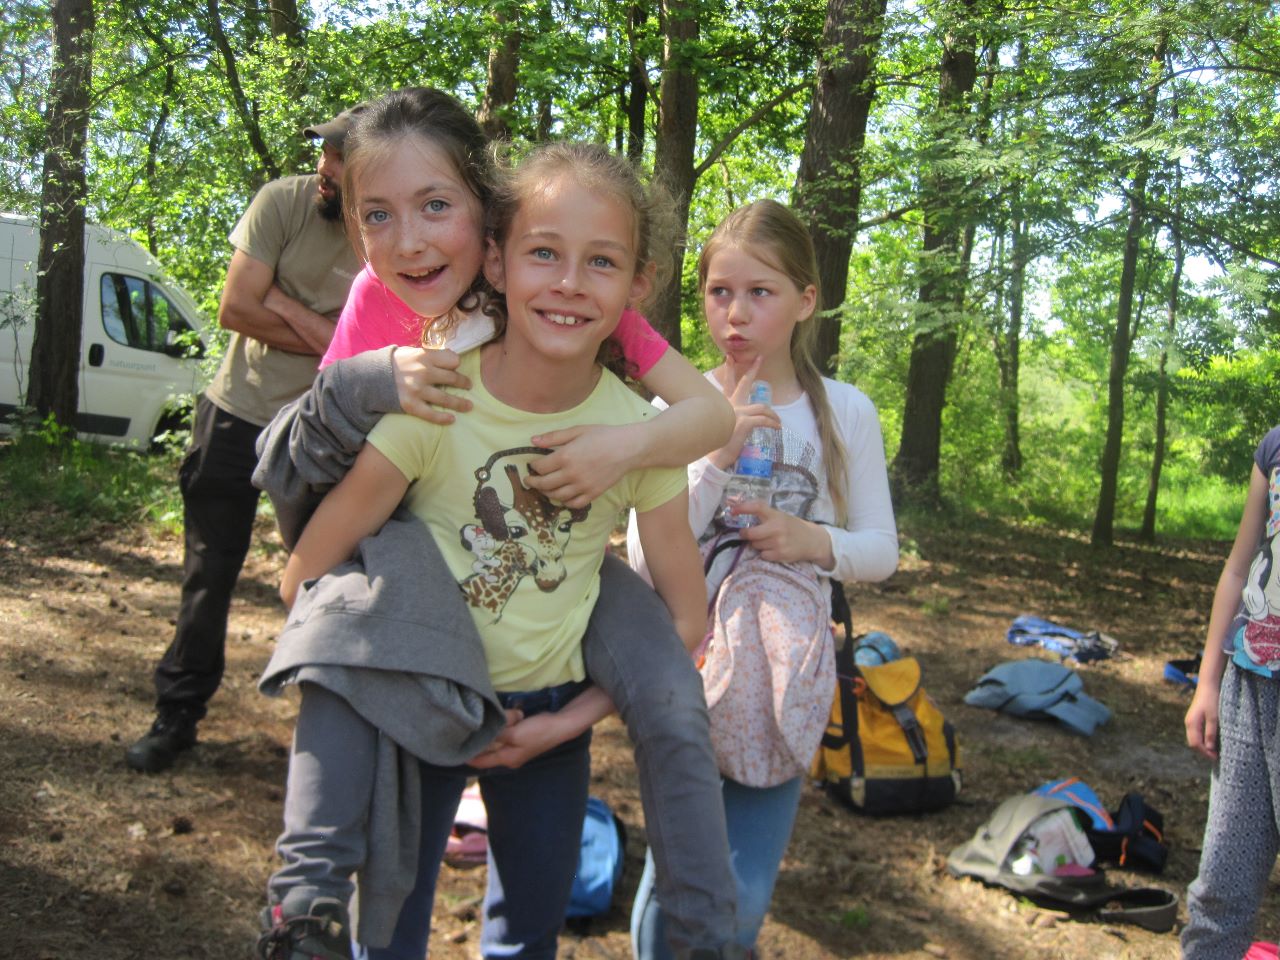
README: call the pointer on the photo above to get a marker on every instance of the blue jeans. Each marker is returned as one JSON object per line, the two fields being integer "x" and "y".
{"x": 535, "y": 816}
{"x": 759, "y": 821}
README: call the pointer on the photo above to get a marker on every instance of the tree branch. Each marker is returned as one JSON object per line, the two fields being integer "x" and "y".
{"x": 727, "y": 141}
{"x": 237, "y": 92}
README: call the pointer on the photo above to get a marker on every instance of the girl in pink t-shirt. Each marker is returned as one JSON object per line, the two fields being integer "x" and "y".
{"x": 374, "y": 317}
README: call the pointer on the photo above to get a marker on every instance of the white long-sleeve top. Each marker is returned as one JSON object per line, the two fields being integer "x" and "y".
{"x": 866, "y": 547}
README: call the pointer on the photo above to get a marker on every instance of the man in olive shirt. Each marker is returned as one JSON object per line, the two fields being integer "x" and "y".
{"x": 288, "y": 278}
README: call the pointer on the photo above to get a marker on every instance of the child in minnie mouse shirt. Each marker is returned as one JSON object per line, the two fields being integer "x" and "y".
{"x": 1234, "y": 720}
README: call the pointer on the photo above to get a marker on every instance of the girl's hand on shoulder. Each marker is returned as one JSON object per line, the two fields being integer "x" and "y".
{"x": 749, "y": 416}
{"x": 1202, "y": 720}
{"x": 585, "y": 462}
{"x": 420, "y": 374}
{"x": 781, "y": 538}
{"x": 521, "y": 740}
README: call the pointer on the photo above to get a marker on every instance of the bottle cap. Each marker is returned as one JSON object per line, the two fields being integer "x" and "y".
{"x": 761, "y": 392}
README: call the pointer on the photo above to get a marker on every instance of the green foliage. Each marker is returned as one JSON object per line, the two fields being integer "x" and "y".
{"x": 75, "y": 484}
{"x": 1057, "y": 487}
{"x": 184, "y": 131}
{"x": 1234, "y": 402}
{"x": 939, "y": 607}
{"x": 855, "y": 918}
{"x": 1194, "y": 505}
{"x": 26, "y": 51}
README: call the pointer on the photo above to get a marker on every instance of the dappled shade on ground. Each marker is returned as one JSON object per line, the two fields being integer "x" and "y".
{"x": 96, "y": 860}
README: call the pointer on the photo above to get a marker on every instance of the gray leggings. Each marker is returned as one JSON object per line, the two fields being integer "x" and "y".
{"x": 1242, "y": 833}
{"x": 634, "y": 654}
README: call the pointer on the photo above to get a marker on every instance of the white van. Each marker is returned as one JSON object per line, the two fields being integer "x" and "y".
{"x": 140, "y": 345}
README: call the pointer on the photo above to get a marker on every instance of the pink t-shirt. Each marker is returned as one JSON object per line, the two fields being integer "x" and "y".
{"x": 374, "y": 317}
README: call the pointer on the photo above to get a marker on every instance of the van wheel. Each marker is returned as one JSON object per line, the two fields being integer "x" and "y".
{"x": 172, "y": 428}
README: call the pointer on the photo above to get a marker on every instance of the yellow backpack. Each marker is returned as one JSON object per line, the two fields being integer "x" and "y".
{"x": 887, "y": 748}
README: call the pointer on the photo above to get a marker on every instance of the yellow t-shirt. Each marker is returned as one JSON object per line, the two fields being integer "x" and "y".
{"x": 528, "y": 568}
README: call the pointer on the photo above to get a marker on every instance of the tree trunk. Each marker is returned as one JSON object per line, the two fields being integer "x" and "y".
{"x": 1010, "y": 366}
{"x": 673, "y": 149}
{"x": 828, "y": 190}
{"x": 1122, "y": 342}
{"x": 1148, "y": 532}
{"x": 154, "y": 141}
{"x": 546, "y": 120}
{"x": 942, "y": 274}
{"x": 500, "y": 90}
{"x": 637, "y": 88}
{"x": 545, "y": 26}
{"x": 55, "y": 352}
{"x": 1009, "y": 343}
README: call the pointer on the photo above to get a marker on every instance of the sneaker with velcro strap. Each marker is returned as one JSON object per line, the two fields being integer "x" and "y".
{"x": 305, "y": 927}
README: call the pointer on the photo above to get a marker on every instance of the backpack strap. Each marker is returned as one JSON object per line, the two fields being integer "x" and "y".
{"x": 910, "y": 725}
{"x": 1151, "y": 908}
{"x": 721, "y": 546}
{"x": 846, "y": 673}
{"x": 841, "y": 613}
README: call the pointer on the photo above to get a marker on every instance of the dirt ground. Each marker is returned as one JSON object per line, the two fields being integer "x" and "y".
{"x": 98, "y": 861}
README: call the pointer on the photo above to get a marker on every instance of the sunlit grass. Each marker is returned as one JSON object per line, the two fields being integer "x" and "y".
{"x": 1197, "y": 506}
{"x": 1055, "y": 489}
{"x": 76, "y": 484}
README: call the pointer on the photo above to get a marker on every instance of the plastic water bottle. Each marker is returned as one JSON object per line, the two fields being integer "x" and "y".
{"x": 753, "y": 474}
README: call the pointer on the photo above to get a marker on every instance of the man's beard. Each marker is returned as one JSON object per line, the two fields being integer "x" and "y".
{"x": 330, "y": 207}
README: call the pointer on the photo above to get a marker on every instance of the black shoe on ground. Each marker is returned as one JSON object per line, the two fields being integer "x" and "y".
{"x": 169, "y": 735}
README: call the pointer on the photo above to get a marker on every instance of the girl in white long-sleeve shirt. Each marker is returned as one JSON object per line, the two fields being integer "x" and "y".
{"x": 830, "y": 505}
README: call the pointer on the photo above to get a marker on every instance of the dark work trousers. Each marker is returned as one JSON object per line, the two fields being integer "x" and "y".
{"x": 218, "y": 506}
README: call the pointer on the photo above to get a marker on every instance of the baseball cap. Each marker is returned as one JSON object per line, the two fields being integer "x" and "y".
{"x": 334, "y": 132}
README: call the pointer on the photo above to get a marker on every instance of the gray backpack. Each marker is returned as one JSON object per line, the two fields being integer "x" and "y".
{"x": 986, "y": 858}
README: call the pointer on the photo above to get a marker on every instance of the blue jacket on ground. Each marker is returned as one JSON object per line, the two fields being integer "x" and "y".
{"x": 1039, "y": 689}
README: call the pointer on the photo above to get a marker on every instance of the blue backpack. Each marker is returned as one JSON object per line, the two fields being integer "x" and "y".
{"x": 604, "y": 844}
{"x": 1131, "y": 836}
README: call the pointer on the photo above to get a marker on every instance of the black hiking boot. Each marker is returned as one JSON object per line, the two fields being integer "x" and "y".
{"x": 170, "y": 734}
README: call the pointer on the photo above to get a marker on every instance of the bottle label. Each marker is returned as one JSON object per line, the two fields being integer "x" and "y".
{"x": 754, "y": 466}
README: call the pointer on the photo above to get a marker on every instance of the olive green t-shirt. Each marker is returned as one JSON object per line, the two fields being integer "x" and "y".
{"x": 314, "y": 263}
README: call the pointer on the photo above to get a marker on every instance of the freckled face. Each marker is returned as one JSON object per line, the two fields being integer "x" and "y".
{"x": 421, "y": 226}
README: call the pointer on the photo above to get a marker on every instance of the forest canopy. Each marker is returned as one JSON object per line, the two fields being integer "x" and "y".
{"x": 1048, "y": 235}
